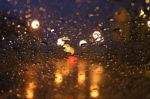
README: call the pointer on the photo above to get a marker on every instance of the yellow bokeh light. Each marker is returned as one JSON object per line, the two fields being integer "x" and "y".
{"x": 147, "y": 1}
{"x": 58, "y": 78}
{"x": 35, "y": 24}
{"x": 81, "y": 77}
{"x": 68, "y": 49}
{"x": 94, "y": 93}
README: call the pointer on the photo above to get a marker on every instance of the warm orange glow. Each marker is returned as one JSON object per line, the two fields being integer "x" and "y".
{"x": 72, "y": 61}
{"x": 147, "y": 1}
{"x": 95, "y": 74}
{"x": 94, "y": 93}
{"x": 62, "y": 68}
{"x": 30, "y": 90}
{"x": 122, "y": 15}
{"x": 58, "y": 78}
{"x": 81, "y": 73}
{"x": 95, "y": 80}
{"x": 81, "y": 77}
{"x": 65, "y": 71}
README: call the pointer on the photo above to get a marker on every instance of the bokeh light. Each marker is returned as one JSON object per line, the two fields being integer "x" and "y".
{"x": 35, "y": 24}
{"x": 72, "y": 61}
{"x": 58, "y": 78}
{"x": 89, "y": 50}
{"x": 97, "y": 36}
{"x": 30, "y": 90}
{"x": 82, "y": 42}
{"x": 68, "y": 49}
{"x": 94, "y": 93}
{"x": 142, "y": 14}
{"x": 60, "y": 42}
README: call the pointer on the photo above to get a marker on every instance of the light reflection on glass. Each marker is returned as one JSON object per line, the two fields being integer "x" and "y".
{"x": 94, "y": 93}
{"x": 35, "y": 24}
{"x": 95, "y": 80}
{"x": 30, "y": 90}
{"x": 81, "y": 73}
{"x": 31, "y": 77}
{"x": 58, "y": 78}
{"x": 93, "y": 73}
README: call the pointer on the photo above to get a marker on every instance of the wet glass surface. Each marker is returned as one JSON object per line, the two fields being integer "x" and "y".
{"x": 74, "y": 49}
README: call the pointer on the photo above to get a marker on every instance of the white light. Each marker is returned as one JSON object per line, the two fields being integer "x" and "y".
{"x": 82, "y": 42}
{"x": 3, "y": 38}
{"x": 60, "y": 42}
{"x": 35, "y": 24}
{"x": 142, "y": 14}
{"x": 98, "y": 37}
{"x": 96, "y": 34}
{"x": 52, "y": 30}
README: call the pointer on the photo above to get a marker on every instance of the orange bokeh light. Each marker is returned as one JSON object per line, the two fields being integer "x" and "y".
{"x": 72, "y": 61}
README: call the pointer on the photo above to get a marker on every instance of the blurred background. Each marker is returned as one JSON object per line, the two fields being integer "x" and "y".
{"x": 74, "y": 49}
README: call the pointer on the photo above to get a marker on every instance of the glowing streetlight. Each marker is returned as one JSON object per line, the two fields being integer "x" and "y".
{"x": 35, "y": 24}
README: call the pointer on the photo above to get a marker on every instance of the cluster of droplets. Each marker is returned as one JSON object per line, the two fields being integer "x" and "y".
{"x": 118, "y": 59}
